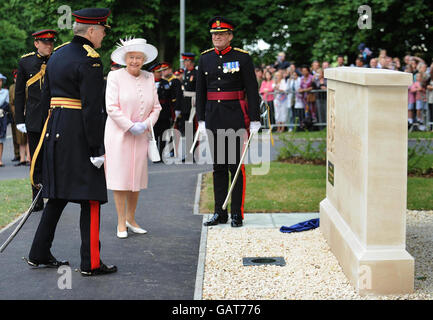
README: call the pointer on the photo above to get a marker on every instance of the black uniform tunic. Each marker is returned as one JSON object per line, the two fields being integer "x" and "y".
{"x": 73, "y": 136}
{"x": 165, "y": 95}
{"x": 27, "y": 109}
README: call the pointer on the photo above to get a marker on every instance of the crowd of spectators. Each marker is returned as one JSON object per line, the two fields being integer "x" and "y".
{"x": 292, "y": 92}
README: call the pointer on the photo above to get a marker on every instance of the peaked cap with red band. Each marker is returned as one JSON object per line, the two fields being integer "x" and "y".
{"x": 188, "y": 56}
{"x": 45, "y": 35}
{"x": 220, "y": 24}
{"x": 92, "y": 16}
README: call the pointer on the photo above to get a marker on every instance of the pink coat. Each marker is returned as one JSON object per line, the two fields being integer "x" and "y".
{"x": 129, "y": 99}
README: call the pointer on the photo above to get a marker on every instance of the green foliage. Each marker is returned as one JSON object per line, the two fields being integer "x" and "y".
{"x": 420, "y": 157}
{"x": 305, "y": 30}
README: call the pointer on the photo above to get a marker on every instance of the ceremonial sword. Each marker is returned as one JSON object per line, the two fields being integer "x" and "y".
{"x": 237, "y": 172}
{"x": 23, "y": 220}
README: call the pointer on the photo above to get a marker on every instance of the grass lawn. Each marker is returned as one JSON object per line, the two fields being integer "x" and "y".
{"x": 322, "y": 135}
{"x": 15, "y": 199}
{"x": 300, "y": 188}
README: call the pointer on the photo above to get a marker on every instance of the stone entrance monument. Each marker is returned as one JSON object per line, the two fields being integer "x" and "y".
{"x": 363, "y": 217}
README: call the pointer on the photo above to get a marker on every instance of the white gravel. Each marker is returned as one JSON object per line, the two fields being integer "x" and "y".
{"x": 311, "y": 270}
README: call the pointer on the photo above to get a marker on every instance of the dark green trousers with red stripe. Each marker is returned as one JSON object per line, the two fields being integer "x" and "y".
{"x": 89, "y": 228}
{"x": 226, "y": 156}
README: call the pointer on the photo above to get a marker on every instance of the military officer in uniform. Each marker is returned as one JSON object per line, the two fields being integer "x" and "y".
{"x": 225, "y": 79}
{"x": 189, "y": 95}
{"x": 73, "y": 142}
{"x": 165, "y": 95}
{"x": 29, "y": 117}
{"x": 176, "y": 102}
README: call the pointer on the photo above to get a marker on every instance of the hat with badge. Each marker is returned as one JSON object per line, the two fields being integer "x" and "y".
{"x": 220, "y": 24}
{"x": 97, "y": 16}
{"x": 188, "y": 56}
{"x": 134, "y": 45}
{"x": 14, "y": 73}
{"x": 155, "y": 67}
{"x": 165, "y": 66}
{"x": 45, "y": 35}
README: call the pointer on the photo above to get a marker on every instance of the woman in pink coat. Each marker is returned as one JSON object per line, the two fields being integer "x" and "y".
{"x": 132, "y": 107}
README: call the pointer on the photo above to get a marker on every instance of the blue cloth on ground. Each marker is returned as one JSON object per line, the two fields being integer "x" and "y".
{"x": 302, "y": 226}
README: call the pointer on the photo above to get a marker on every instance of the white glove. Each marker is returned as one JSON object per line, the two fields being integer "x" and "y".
{"x": 1, "y": 113}
{"x": 22, "y": 127}
{"x": 138, "y": 128}
{"x": 202, "y": 129}
{"x": 255, "y": 126}
{"x": 97, "y": 161}
{"x": 177, "y": 113}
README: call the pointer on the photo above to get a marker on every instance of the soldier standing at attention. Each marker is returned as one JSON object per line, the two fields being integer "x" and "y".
{"x": 29, "y": 116}
{"x": 164, "y": 95}
{"x": 73, "y": 138}
{"x": 189, "y": 84}
{"x": 225, "y": 78}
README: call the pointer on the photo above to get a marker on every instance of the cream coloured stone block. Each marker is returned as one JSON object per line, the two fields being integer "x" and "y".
{"x": 363, "y": 216}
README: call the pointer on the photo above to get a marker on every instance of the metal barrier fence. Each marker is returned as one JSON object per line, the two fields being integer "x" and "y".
{"x": 319, "y": 106}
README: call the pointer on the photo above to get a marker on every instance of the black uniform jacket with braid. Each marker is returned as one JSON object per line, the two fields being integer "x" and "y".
{"x": 73, "y": 136}
{"x": 239, "y": 76}
{"x": 27, "y": 108}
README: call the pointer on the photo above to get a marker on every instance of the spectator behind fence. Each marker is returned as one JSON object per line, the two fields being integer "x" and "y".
{"x": 325, "y": 65}
{"x": 373, "y": 64}
{"x": 340, "y": 61}
{"x": 298, "y": 110}
{"x": 320, "y": 83}
{"x": 281, "y": 62}
{"x": 280, "y": 101}
{"x": 314, "y": 67}
{"x": 267, "y": 93}
{"x": 259, "y": 76}
{"x": 307, "y": 97}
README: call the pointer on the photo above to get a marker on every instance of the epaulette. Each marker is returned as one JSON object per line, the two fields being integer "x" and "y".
{"x": 28, "y": 54}
{"x": 208, "y": 50}
{"x": 64, "y": 44}
{"x": 90, "y": 51}
{"x": 241, "y": 50}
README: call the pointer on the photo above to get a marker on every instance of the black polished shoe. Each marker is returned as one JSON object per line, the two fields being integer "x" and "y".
{"x": 16, "y": 159}
{"x": 103, "y": 269}
{"x": 51, "y": 263}
{"x": 236, "y": 220}
{"x": 217, "y": 218}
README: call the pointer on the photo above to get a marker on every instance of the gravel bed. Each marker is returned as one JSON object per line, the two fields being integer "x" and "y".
{"x": 311, "y": 271}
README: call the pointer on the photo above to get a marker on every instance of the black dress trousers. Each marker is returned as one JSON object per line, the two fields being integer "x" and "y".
{"x": 89, "y": 228}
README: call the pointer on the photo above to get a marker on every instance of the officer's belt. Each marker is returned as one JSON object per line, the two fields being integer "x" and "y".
{"x": 67, "y": 103}
{"x": 56, "y": 102}
{"x": 232, "y": 95}
{"x": 226, "y": 95}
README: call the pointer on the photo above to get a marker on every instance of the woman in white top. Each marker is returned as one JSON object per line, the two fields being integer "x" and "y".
{"x": 281, "y": 102}
{"x": 294, "y": 85}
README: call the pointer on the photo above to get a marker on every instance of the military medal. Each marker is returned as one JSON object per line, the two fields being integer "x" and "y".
{"x": 237, "y": 66}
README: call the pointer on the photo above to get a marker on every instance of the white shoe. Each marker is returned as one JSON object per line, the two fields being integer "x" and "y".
{"x": 134, "y": 229}
{"x": 122, "y": 234}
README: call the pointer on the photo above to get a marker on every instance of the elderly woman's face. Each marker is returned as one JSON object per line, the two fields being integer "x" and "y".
{"x": 134, "y": 61}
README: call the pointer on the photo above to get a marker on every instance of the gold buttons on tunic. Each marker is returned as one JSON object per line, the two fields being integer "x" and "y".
{"x": 219, "y": 89}
{"x": 219, "y": 78}
{"x": 47, "y": 135}
{"x": 219, "y": 101}
{"x": 57, "y": 135}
